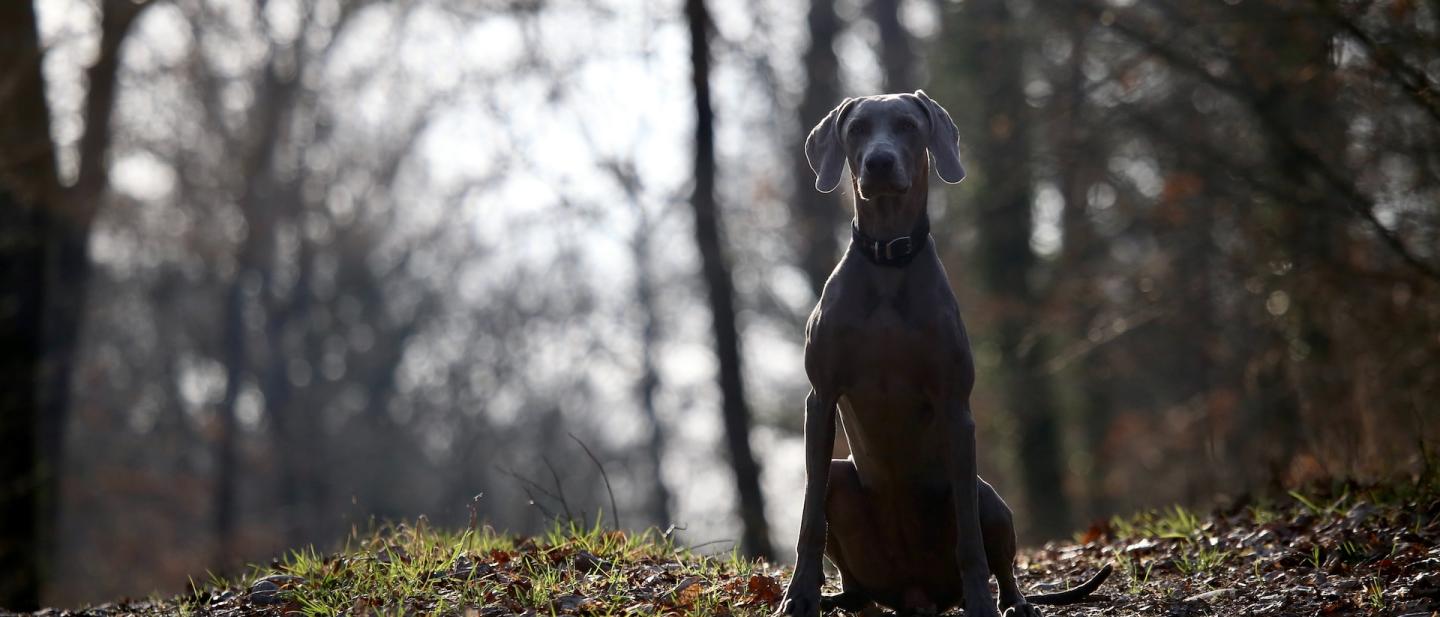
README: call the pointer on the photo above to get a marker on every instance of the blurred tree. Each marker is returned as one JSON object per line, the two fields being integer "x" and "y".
{"x": 900, "y": 63}
{"x": 262, "y": 203}
{"x": 51, "y": 232}
{"x": 1264, "y": 179}
{"x": 68, "y": 264}
{"x": 1074, "y": 146}
{"x": 309, "y": 295}
{"x": 755, "y": 540}
{"x": 648, "y": 381}
{"x": 28, "y": 188}
{"x": 817, "y": 217}
{"x": 991, "y": 43}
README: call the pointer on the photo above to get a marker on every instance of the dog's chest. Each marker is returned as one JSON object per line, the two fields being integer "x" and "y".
{"x": 890, "y": 345}
{"x": 890, "y": 364}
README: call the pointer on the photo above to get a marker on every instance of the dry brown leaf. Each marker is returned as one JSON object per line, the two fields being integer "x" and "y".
{"x": 686, "y": 592}
{"x": 763, "y": 589}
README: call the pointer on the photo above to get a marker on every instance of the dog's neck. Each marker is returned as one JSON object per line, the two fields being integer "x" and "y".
{"x": 890, "y": 216}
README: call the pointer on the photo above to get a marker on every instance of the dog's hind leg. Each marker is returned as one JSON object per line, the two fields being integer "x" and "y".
{"x": 848, "y": 515}
{"x": 997, "y": 526}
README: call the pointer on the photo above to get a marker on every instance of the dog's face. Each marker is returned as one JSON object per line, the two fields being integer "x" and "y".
{"x": 884, "y": 140}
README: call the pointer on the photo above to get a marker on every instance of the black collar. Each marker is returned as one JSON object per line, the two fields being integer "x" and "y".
{"x": 896, "y": 252}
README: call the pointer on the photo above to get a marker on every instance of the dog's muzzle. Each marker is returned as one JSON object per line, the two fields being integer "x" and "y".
{"x": 882, "y": 174}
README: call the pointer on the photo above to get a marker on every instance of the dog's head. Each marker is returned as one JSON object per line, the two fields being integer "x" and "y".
{"x": 884, "y": 139}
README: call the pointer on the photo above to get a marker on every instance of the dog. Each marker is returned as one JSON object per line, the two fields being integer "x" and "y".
{"x": 905, "y": 519}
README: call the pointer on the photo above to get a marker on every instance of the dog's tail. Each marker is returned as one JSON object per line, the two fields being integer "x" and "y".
{"x": 1073, "y": 594}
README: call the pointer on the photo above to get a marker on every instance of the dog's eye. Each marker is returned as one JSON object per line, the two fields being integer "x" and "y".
{"x": 905, "y": 126}
{"x": 858, "y": 127}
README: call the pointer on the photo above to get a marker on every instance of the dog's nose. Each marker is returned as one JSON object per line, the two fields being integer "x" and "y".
{"x": 880, "y": 163}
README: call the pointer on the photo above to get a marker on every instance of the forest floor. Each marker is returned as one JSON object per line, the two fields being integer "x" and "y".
{"x": 1342, "y": 550}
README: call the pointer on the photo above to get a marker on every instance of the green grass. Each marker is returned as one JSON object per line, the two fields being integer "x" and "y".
{"x": 1264, "y": 512}
{"x": 1175, "y": 523}
{"x": 417, "y": 570}
{"x": 1136, "y": 577}
{"x": 1171, "y": 558}
{"x": 1194, "y": 553}
{"x": 1320, "y": 507}
{"x": 1375, "y": 595}
{"x": 1201, "y": 560}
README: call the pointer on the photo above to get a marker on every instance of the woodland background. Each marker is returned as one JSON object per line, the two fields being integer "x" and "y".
{"x": 275, "y": 268}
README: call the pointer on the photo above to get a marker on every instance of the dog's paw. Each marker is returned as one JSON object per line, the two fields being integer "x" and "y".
{"x": 1023, "y": 609}
{"x": 802, "y": 595}
{"x": 798, "y": 603}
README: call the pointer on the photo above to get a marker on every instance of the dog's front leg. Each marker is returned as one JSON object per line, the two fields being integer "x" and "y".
{"x": 964, "y": 485}
{"x": 802, "y": 596}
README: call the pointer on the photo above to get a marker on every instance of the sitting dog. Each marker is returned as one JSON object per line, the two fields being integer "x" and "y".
{"x": 905, "y": 519}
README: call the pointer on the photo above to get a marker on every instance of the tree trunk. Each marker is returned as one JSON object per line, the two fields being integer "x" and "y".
{"x": 49, "y": 264}
{"x": 260, "y": 206}
{"x": 1078, "y": 258}
{"x": 27, "y": 189}
{"x": 899, "y": 63}
{"x": 755, "y": 541}
{"x": 649, "y": 381}
{"x": 1311, "y": 239}
{"x": 233, "y": 343}
{"x": 818, "y": 216}
{"x": 67, "y": 263}
{"x": 21, "y": 468}
{"x": 1007, "y": 261}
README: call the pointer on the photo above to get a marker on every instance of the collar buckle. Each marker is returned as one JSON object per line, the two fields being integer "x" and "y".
{"x": 890, "y": 253}
{"x": 895, "y": 252}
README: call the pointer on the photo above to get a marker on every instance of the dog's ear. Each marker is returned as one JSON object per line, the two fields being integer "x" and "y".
{"x": 944, "y": 142}
{"x": 823, "y": 149}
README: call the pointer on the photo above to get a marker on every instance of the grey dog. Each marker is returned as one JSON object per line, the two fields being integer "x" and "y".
{"x": 905, "y": 519}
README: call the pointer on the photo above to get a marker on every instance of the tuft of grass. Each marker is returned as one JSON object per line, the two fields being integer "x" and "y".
{"x": 1322, "y": 508}
{"x": 1201, "y": 560}
{"x": 1352, "y": 551}
{"x": 1264, "y": 513}
{"x": 1175, "y": 523}
{"x": 1375, "y": 595}
{"x": 570, "y": 569}
{"x": 1136, "y": 579}
{"x": 1317, "y": 557}
{"x": 1194, "y": 554}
